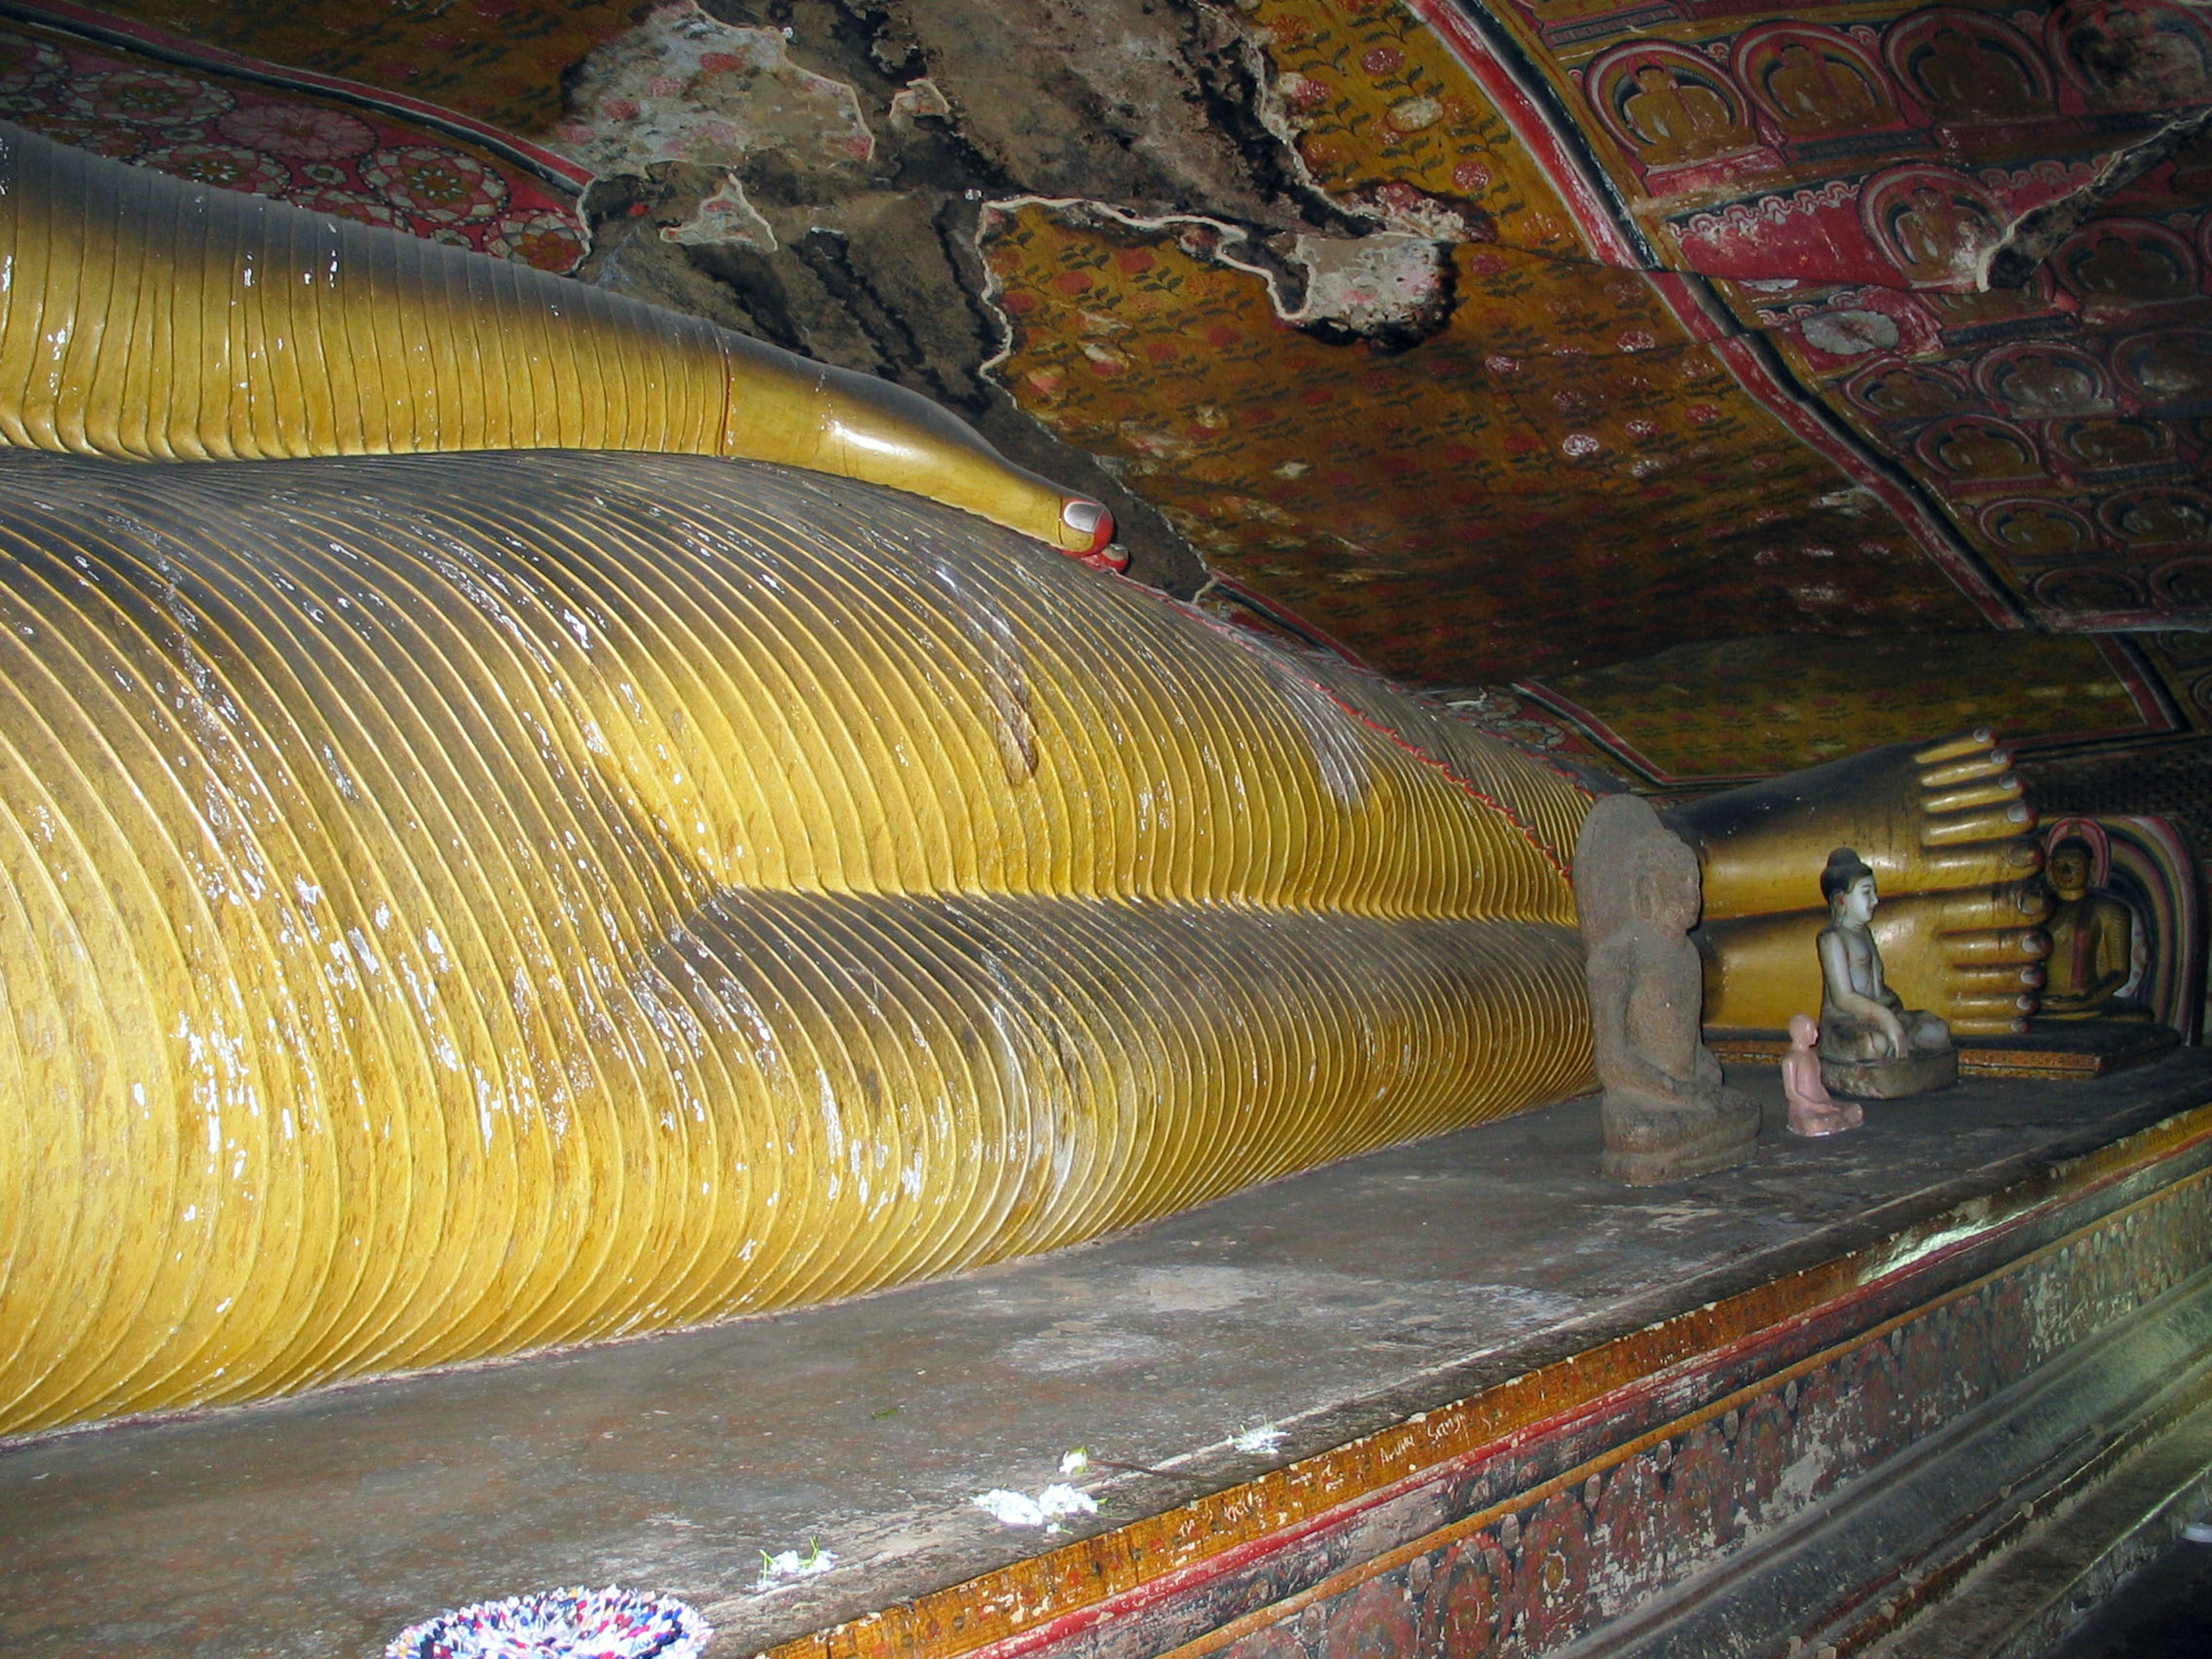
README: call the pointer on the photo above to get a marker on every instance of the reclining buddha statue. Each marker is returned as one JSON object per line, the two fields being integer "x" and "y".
{"x": 562, "y": 881}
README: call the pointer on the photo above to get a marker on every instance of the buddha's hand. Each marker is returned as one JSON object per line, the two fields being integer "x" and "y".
{"x": 1949, "y": 838}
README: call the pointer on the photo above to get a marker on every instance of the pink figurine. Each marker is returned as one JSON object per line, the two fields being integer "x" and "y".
{"x": 1813, "y": 1110}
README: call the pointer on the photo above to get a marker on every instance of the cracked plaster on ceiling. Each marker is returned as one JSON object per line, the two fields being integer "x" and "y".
{"x": 1366, "y": 286}
{"x": 682, "y": 86}
{"x": 1349, "y": 170}
{"x": 1282, "y": 102}
{"x": 724, "y": 217}
{"x": 2032, "y": 238}
{"x": 916, "y": 99}
{"x": 1393, "y": 279}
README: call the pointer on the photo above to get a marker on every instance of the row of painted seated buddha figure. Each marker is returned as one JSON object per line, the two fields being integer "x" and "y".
{"x": 529, "y": 818}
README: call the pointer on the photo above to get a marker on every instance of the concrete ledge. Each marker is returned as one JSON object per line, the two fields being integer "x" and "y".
{"x": 1805, "y": 1484}
{"x": 1516, "y": 1406}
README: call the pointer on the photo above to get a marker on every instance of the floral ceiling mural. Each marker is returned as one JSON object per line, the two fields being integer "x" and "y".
{"x": 1544, "y": 480}
{"x": 500, "y": 61}
{"x": 1807, "y": 409}
{"x": 205, "y": 116}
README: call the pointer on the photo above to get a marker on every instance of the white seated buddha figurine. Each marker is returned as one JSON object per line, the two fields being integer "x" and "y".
{"x": 1871, "y": 1044}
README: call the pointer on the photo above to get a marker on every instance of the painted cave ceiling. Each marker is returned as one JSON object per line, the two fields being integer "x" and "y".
{"x": 1709, "y": 385}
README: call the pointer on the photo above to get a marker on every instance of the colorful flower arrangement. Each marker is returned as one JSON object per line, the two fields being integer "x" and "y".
{"x": 563, "y": 1624}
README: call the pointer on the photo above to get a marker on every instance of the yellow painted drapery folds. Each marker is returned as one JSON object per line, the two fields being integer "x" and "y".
{"x": 455, "y": 904}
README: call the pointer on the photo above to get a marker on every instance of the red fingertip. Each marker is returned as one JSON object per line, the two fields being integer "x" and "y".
{"x": 1091, "y": 519}
{"x": 1103, "y": 537}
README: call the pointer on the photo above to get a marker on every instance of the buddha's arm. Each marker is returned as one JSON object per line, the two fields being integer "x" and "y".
{"x": 1613, "y": 972}
{"x": 1707, "y": 1066}
{"x": 2110, "y": 962}
{"x": 146, "y": 318}
{"x": 2115, "y": 949}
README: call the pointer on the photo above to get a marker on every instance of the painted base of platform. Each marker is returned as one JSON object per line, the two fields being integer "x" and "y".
{"x": 1805, "y": 1469}
{"x": 1965, "y": 1515}
{"x": 2072, "y": 1552}
{"x": 2045, "y": 1053}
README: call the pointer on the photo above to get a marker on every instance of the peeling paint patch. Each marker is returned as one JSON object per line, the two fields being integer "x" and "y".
{"x": 1283, "y": 104}
{"x": 725, "y": 219}
{"x": 1084, "y": 1349}
{"x": 917, "y": 99}
{"x": 1196, "y": 1290}
{"x": 681, "y": 86}
{"x": 1016, "y": 1508}
{"x": 2032, "y": 239}
{"x": 1370, "y": 286}
{"x": 1375, "y": 283}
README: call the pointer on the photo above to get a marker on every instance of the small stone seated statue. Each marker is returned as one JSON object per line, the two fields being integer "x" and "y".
{"x": 1665, "y": 1113}
{"x": 2091, "y": 944}
{"x": 1871, "y": 1044}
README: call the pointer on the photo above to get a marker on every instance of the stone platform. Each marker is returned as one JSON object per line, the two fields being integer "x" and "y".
{"x": 1519, "y": 1410}
{"x": 2051, "y": 1049}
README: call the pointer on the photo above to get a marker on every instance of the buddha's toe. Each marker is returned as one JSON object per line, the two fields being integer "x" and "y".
{"x": 1949, "y": 833}
{"x": 1935, "y": 818}
{"x": 1973, "y": 959}
{"x": 2009, "y": 908}
{"x": 1995, "y": 979}
{"x": 1971, "y": 803}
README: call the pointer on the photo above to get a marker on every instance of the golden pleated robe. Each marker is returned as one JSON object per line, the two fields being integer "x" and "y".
{"x": 456, "y": 904}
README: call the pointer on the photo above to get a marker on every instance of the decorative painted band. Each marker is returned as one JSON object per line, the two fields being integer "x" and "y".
{"x": 1905, "y": 1333}
{"x": 1565, "y": 1554}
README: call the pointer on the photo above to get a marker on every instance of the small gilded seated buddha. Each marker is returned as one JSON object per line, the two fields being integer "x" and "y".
{"x": 2091, "y": 944}
{"x": 1871, "y": 1044}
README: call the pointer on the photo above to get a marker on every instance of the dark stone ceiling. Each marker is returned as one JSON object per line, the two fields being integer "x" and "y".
{"x": 1708, "y": 385}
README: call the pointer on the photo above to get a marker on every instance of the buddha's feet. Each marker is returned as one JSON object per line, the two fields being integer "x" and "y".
{"x": 1647, "y": 1141}
{"x": 1950, "y": 839}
